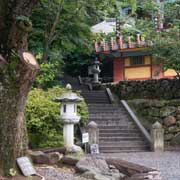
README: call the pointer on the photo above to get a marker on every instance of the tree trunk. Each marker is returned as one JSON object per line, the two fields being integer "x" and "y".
{"x": 18, "y": 69}
{"x": 14, "y": 88}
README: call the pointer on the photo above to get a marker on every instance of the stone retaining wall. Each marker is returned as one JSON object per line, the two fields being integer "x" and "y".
{"x": 151, "y": 89}
{"x": 167, "y": 112}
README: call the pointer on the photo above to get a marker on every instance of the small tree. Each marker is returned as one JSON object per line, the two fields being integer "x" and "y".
{"x": 166, "y": 50}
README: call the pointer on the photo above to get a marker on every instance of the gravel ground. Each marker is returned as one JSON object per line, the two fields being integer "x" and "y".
{"x": 168, "y": 163}
{"x": 56, "y": 173}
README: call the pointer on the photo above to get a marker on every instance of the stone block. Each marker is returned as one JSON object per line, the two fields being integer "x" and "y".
{"x": 169, "y": 121}
{"x": 178, "y": 110}
{"x": 173, "y": 129}
{"x": 168, "y": 137}
{"x": 176, "y": 140}
{"x": 167, "y": 110}
{"x": 178, "y": 117}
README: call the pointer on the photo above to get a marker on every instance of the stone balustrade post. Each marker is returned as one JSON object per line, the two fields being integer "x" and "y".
{"x": 93, "y": 130}
{"x": 157, "y": 135}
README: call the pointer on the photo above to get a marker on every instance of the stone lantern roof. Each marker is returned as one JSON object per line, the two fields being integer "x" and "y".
{"x": 69, "y": 96}
{"x": 96, "y": 62}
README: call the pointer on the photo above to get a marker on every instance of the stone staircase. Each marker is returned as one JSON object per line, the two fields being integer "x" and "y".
{"x": 117, "y": 132}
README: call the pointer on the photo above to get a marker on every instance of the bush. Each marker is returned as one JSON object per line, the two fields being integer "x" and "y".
{"x": 43, "y": 118}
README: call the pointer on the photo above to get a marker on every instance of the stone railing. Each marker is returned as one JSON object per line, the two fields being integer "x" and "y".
{"x": 137, "y": 122}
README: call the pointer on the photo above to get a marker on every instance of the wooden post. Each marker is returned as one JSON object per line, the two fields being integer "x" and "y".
{"x": 157, "y": 135}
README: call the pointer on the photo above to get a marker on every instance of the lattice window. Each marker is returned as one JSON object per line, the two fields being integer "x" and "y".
{"x": 137, "y": 60}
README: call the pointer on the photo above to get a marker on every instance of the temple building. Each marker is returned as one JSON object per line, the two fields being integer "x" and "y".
{"x": 125, "y": 58}
{"x": 129, "y": 60}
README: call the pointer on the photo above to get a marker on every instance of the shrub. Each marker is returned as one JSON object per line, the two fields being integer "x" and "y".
{"x": 43, "y": 118}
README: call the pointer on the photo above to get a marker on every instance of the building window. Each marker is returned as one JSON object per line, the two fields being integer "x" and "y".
{"x": 137, "y": 60}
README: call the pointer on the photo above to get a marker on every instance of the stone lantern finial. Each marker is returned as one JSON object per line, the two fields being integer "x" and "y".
{"x": 68, "y": 87}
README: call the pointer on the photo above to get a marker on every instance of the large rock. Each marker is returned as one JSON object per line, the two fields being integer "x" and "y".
{"x": 167, "y": 110}
{"x": 92, "y": 163}
{"x": 70, "y": 159}
{"x": 176, "y": 140}
{"x": 38, "y": 157}
{"x": 54, "y": 157}
{"x": 97, "y": 169}
{"x": 169, "y": 120}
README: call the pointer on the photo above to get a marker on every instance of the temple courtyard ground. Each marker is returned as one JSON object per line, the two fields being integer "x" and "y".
{"x": 168, "y": 163}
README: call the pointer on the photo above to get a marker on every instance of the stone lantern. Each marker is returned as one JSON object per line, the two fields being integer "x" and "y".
{"x": 96, "y": 70}
{"x": 69, "y": 116}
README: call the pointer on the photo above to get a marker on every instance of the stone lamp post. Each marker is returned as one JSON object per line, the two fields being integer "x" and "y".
{"x": 96, "y": 70}
{"x": 69, "y": 117}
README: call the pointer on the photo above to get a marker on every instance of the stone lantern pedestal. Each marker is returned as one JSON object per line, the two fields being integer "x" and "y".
{"x": 69, "y": 117}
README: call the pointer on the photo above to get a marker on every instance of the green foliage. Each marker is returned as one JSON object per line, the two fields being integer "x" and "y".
{"x": 70, "y": 39}
{"x": 83, "y": 112}
{"x": 23, "y": 18}
{"x": 43, "y": 117}
{"x": 43, "y": 121}
{"x": 167, "y": 42}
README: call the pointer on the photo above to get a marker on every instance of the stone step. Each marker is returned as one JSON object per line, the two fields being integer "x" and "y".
{"x": 102, "y": 127}
{"x": 94, "y": 92}
{"x": 89, "y": 102}
{"x": 118, "y": 139}
{"x": 114, "y": 127}
{"x": 109, "y": 122}
{"x": 95, "y": 98}
{"x": 103, "y": 106}
{"x": 110, "y": 112}
{"x": 123, "y": 151}
{"x": 109, "y": 116}
{"x": 100, "y": 107}
{"x": 130, "y": 147}
{"x": 107, "y": 109}
{"x": 124, "y": 143}
{"x": 120, "y": 134}
{"x": 118, "y": 131}
{"x": 106, "y": 105}
{"x": 120, "y": 123}
{"x": 94, "y": 95}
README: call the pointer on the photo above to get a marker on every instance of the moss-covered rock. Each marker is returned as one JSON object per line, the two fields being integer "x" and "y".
{"x": 176, "y": 140}
{"x": 166, "y": 111}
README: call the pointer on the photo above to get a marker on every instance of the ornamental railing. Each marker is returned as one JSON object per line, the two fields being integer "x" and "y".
{"x": 117, "y": 43}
